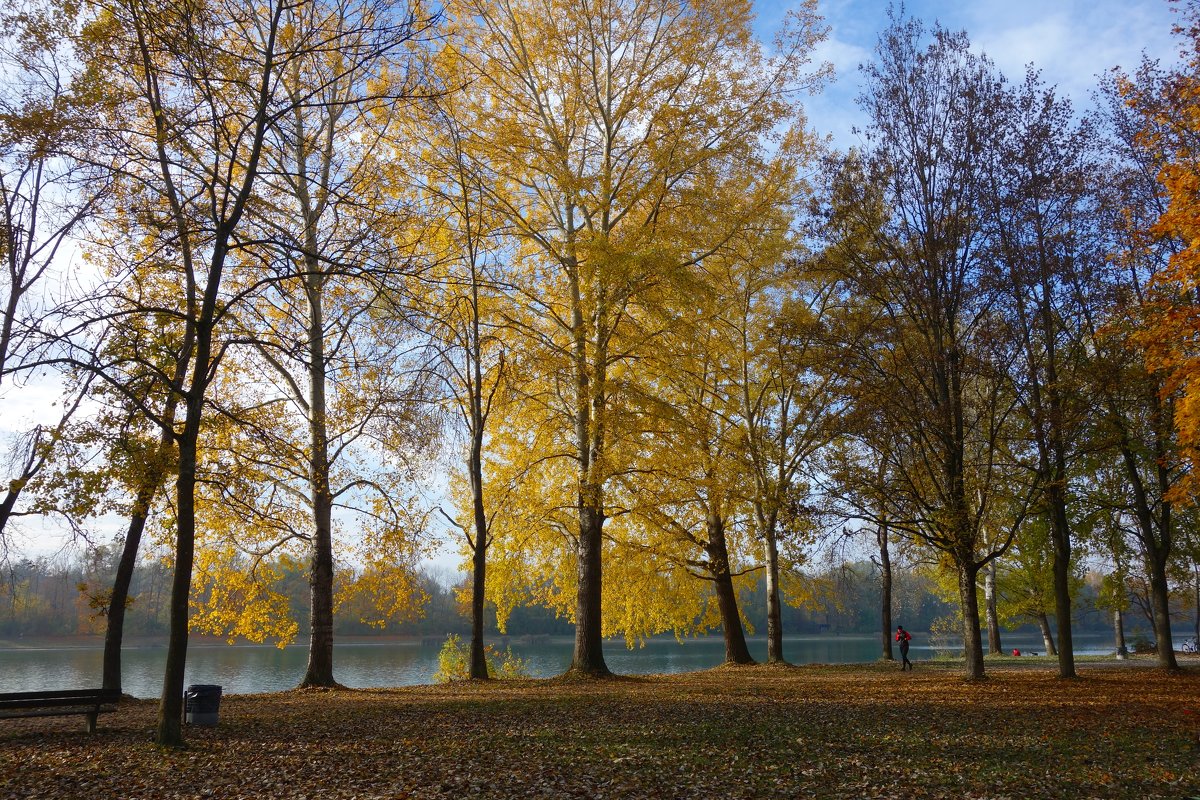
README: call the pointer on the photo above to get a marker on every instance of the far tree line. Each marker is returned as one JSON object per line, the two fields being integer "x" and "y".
{"x": 65, "y": 596}
{"x": 579, "y": 284}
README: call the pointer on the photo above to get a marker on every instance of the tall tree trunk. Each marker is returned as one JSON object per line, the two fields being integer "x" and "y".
{"x": 1053, "y": 446}
{"x": 885, "y": 591}
{"x": 1119, "y": 634}
{"x": 319, "y": 672}
{"x": 1060, "y": 535}
{"x": 968, "y": 573}
{"x": 478, "y": 666}
{"x": 477, "y": 422}
{"x": 1156, "y": 550}
{"x": 1160, "y": 594}
{"x": 114, "y": 630}
{"x": 1047, "y": 636}
{"x": 989, "y": 598}
{"x": 588, "y": 657}
{"x": 170, "y": 707}
{"x": 736, "y": 650}
{"x": 1154, "y": 529}
{"x": 774, "y": 606}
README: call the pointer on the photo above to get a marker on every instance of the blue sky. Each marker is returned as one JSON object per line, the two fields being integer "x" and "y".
{"x": 1070, "y": 41}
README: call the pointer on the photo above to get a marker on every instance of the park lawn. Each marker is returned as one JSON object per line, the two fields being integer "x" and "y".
{"x": 813, "y": 731}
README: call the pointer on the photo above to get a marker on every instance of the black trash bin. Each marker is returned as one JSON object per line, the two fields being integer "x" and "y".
{"x": 201, "y": 704}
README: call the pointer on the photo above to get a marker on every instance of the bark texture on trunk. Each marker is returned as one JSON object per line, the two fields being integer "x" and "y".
{"x": 1060, "y": 535}
{"x": 478, "y": 666}
{"x": 114, "y": 630}
{"x": 588, "y": 656}
{"x": 590, "y": 358}
{"x": 769, "y": 525}
{"x": 774, "y": 606}
{"x": 1160, "y": 593}
{"x": 972, "y": 640}
{"x": 1155, "y": 528}
{"x": 736, "y": 650}
{"x": 989, "y": 598}
{"x": 885, "y": 592}
{"x": 1119, "y": 634}
{"x": 1047, "y": 636}
{"x": 153, "y": 480}
{"x": 319, "y": 672}
{"x": 170, "y": 706}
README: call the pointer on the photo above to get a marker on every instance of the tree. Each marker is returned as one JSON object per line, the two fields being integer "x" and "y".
{"x": 1027, "y": 578}
{"x": 465, "y": 321}
{"x": 1167, "y": 135}
{"x": 991, "y": 611}
{"x": 1038, "y": 214}
{"x": 619, "y": 124}
{"x": 914, "y": 254}
{"x": 46, "y": 193}
{"x": 335, "y": 242}
{"x": 190, "y": 95}
{"x": 1138, "y": 404}
{"x": 685, "y": 492}
{"x": 790, "y": 402}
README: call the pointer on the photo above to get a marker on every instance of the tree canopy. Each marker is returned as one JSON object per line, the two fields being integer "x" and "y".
{"x": 578, "y": 287}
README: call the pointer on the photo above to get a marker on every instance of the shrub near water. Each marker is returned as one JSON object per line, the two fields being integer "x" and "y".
{"x": 454, "y": 662}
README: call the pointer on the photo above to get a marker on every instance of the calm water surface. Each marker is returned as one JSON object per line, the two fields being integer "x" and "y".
{"x": 242, "y": 669}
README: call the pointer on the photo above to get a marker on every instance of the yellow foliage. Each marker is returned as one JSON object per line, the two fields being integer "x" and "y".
{"x": 384, "y": 591}
{"x": 805, "y": 591}
{"x": 236, "y": 598}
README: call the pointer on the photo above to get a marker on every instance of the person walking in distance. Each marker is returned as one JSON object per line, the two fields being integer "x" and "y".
{"x": 903, "y": 637}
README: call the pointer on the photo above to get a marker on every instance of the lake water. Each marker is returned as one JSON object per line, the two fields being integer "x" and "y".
{"x": 242, "y": 669}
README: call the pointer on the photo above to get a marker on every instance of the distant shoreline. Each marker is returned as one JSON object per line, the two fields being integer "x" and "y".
{"x": 96, "y": 641}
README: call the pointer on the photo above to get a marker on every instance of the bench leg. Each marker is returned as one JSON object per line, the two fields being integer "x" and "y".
{"x": 91, "y": 722}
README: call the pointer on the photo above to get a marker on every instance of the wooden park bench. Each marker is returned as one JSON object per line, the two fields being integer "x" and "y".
{"x": 59, "y": 703}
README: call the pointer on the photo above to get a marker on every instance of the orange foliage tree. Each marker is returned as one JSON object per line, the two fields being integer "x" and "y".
{"x": 1169, "y": 330}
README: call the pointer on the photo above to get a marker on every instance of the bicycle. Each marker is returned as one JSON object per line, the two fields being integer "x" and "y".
{"x": 1189, "y": 646}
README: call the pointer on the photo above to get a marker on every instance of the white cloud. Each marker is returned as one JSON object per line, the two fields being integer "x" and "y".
{"x": 1070, "y": 41}
{"x": 1072, "y": 44}
{"x": 844, "y": 56}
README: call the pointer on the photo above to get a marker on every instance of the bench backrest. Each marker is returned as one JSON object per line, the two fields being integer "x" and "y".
{"x": 58, "y": 697}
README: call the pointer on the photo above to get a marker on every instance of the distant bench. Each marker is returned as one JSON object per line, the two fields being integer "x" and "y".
{"x": 59, "y": 703}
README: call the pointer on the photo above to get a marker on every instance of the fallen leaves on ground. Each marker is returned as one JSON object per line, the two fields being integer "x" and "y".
{"x": 748, "y": 732}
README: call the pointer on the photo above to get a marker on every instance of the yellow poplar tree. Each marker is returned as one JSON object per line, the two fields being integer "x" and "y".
{"x": 619, "y": 125}
{"x": 718, "y": 411}
{"x": 461, "y": 308}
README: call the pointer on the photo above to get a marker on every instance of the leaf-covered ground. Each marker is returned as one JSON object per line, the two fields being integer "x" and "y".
{"x": 862, "y": 731}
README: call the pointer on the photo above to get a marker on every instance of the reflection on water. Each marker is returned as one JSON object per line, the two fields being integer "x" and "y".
{"x": 242, "y": 669}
